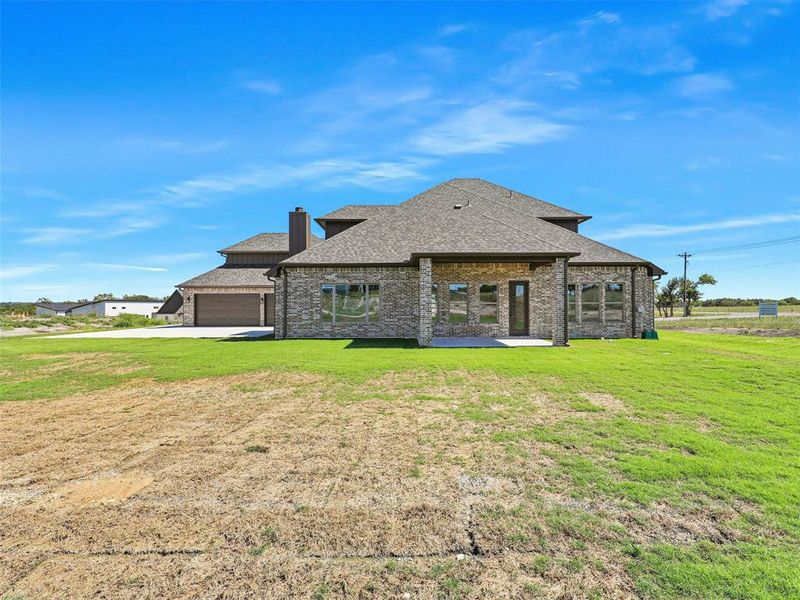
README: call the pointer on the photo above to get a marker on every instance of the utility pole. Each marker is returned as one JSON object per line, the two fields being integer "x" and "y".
{"x": 685, "y": 257}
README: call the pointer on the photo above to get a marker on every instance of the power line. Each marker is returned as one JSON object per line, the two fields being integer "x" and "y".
{"x": 750, "y": 246}
{"x": 764, "y": 244}
{"x": 780, "y": 262}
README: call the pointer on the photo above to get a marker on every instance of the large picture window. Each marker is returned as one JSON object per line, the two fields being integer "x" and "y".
{"x": 349, "y": 303}
{"x": 488, "y": 303}
{"x": 571, "y": 305}
{"x": 615, "y": 297}
{"x": 590, "y": 302}
{"x": 458, "y": 302}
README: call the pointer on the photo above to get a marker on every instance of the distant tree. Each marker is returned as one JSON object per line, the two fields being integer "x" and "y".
{"x": 667, "y": 296}
{"x": 133, "y": 297}
{"x": 42, "y": 300}
{"x": 99, "y": 297}
{"x": 693, "y": 293}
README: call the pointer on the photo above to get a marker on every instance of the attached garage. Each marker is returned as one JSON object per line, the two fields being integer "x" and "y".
{"x": 220, "y": 310}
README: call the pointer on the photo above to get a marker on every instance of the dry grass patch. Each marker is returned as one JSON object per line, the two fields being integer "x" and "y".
{"x": 396, "y": 485}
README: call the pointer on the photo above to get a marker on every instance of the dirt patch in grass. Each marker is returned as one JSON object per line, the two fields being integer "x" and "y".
{"x": 605, "y": 401}
{"x": 393, "y": 486}
{"x": 104, "y": 490}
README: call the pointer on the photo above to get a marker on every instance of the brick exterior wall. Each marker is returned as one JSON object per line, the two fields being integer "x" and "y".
{"x": 405, "y": 300}
{"x": 189, "y": 300}
{"x": 559, "y": 287}
{"x": 425, "y": 331}
{"x": 603, "y": 327}
{"x": 398, "y": 302}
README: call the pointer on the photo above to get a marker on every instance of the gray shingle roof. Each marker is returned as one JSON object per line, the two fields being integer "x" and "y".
{"x": 491, "y": 221}
{"x": 230, "y": 276}
{"x": 265, "y": 242}
{"x": 357, "y": 212}
{"x": 522, "y": 202}
{"x": 172, "y": 305}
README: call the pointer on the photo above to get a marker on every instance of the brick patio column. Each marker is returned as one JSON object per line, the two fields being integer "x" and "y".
{"x": 188, "y": 308}
{"x": 425, "y": 328}
{"x": 280, "y": 290}
{"x": 560, "y": 334}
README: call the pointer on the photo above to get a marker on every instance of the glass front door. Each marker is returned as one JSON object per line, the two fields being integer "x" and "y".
{"x": 518, "y": 307}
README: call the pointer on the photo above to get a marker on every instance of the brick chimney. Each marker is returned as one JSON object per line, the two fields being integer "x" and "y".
{"x": 299, "y": 230}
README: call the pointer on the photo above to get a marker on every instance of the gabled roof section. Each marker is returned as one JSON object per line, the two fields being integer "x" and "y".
{"x": 356, "y": 212}
{"x": 58, "y": 306}
{"x": 429, "y": 225}
{"x": 172, "y": 305}
{"x": 463, "y": 217}
{"x": 230, "y": 276}
{"x": 264, "y": 242}
{"x": 519, "y": 201}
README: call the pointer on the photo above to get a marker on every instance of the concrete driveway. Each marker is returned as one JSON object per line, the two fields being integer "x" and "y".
{"x": 174, "y": 331}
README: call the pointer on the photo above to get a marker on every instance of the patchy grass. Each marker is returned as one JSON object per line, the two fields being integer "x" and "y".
{"x": 747, "y": 324}
{"x": 666, "y": 469}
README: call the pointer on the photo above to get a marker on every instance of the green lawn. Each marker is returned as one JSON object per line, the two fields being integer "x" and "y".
{"x": 709, "y": 421}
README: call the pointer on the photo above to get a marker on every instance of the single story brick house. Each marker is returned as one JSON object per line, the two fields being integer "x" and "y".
{"x": 465, "y": 258}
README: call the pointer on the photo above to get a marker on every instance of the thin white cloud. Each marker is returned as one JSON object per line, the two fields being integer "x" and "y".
{"x": 269, "y": 87}
{"x": 601, "y": 17}
{"x": 119, "y": 267}
{"x": 20, "y": 271}
{"x": 53, "y": 235}
{"x": 599, "y": 44}
{"x": 166, "y": 144}
{"x": 702, "y": 163}
{"x": 453, "y": 29}
{"x": 702, "y": 85}
{"x": 127, "y": 226}
{"x": 488, "y": 127}
{"x": 719, "y": 9}
{"x": 328, "y": 173}
{"x": 657, "y": 230}
{"x": 41, "y": 193}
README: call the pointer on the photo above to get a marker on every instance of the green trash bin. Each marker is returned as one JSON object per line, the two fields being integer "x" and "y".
{"x": 649, "y": 334}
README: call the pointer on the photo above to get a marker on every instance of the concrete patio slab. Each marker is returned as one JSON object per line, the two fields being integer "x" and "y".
{"x": 174, "y": 331}
{"x": 482, "y": 342}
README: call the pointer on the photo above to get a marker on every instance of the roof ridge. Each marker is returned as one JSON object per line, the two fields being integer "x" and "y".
{"x": 505, "y": 222}
{"x": 561, "y": 229}
{"x": 486, "y": 181}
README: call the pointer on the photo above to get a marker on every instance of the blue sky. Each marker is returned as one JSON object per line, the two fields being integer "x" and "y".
{"x": 137, "y": 139}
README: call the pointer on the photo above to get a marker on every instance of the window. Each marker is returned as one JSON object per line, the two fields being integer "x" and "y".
{"x": 615, "y": 296}
{"x": 590, "y": 302}
{"x": 458, "y": 302}
{"x": 349, "y": 303}
{"x": 571, "y": 298}
{"x": 488, "y": 303}
{"x": 326, "y": 302}
{"x": 373, "y": 302}
{"x": 434, "y": 302}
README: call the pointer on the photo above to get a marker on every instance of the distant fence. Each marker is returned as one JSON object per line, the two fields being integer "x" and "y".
{"x": 767, "y": 309}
